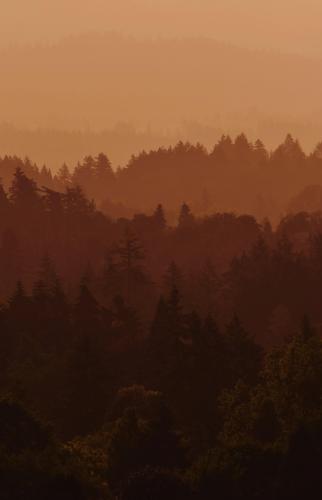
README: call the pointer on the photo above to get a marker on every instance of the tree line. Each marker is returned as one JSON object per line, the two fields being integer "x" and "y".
{"x": 234, "y": 176}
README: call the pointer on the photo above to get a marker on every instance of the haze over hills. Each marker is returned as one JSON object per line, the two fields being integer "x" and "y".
{"x": 285, "y": 25}
{"x": 98, "y": 80}
{"x": 53, "y": 147}
{"x": 193, "y": 88}
{"x": 160, "y": 249}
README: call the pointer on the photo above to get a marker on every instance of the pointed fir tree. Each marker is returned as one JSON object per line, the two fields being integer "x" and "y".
{"x": 23, "y": 193}
{"x": 86, "y": 310}
{"x": 159, "y": 219}
{"x": 186, "y": 218}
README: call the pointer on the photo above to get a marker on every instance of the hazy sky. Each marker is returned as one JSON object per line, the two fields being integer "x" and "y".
{"x": 96, "y": 82}
{"x": 292, "y": 25}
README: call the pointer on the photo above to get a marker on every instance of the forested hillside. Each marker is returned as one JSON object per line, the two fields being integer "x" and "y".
{"x": 234, "y": 176}
{"x": 139, "y": 357}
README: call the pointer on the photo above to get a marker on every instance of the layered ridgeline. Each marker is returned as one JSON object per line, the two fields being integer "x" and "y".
{"x": 233, "y": 176}
{"x": 99, "y": 80}
{"x": 74, "y": 90}
{"x": 220, "y": 262}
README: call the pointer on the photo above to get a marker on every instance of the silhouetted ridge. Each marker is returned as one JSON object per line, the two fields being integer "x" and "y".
{"x": 234, "y": 176}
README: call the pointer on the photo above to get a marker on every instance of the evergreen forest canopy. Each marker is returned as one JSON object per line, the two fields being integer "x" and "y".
{"x": 234, "y": 176}
{"x": 142, "y": 359}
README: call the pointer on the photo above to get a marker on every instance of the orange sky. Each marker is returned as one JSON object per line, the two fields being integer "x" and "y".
{"x": 292, "y": 25}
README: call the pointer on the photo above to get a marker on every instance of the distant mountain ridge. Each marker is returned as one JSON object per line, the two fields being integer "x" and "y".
{"x": 99, "y": 80}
